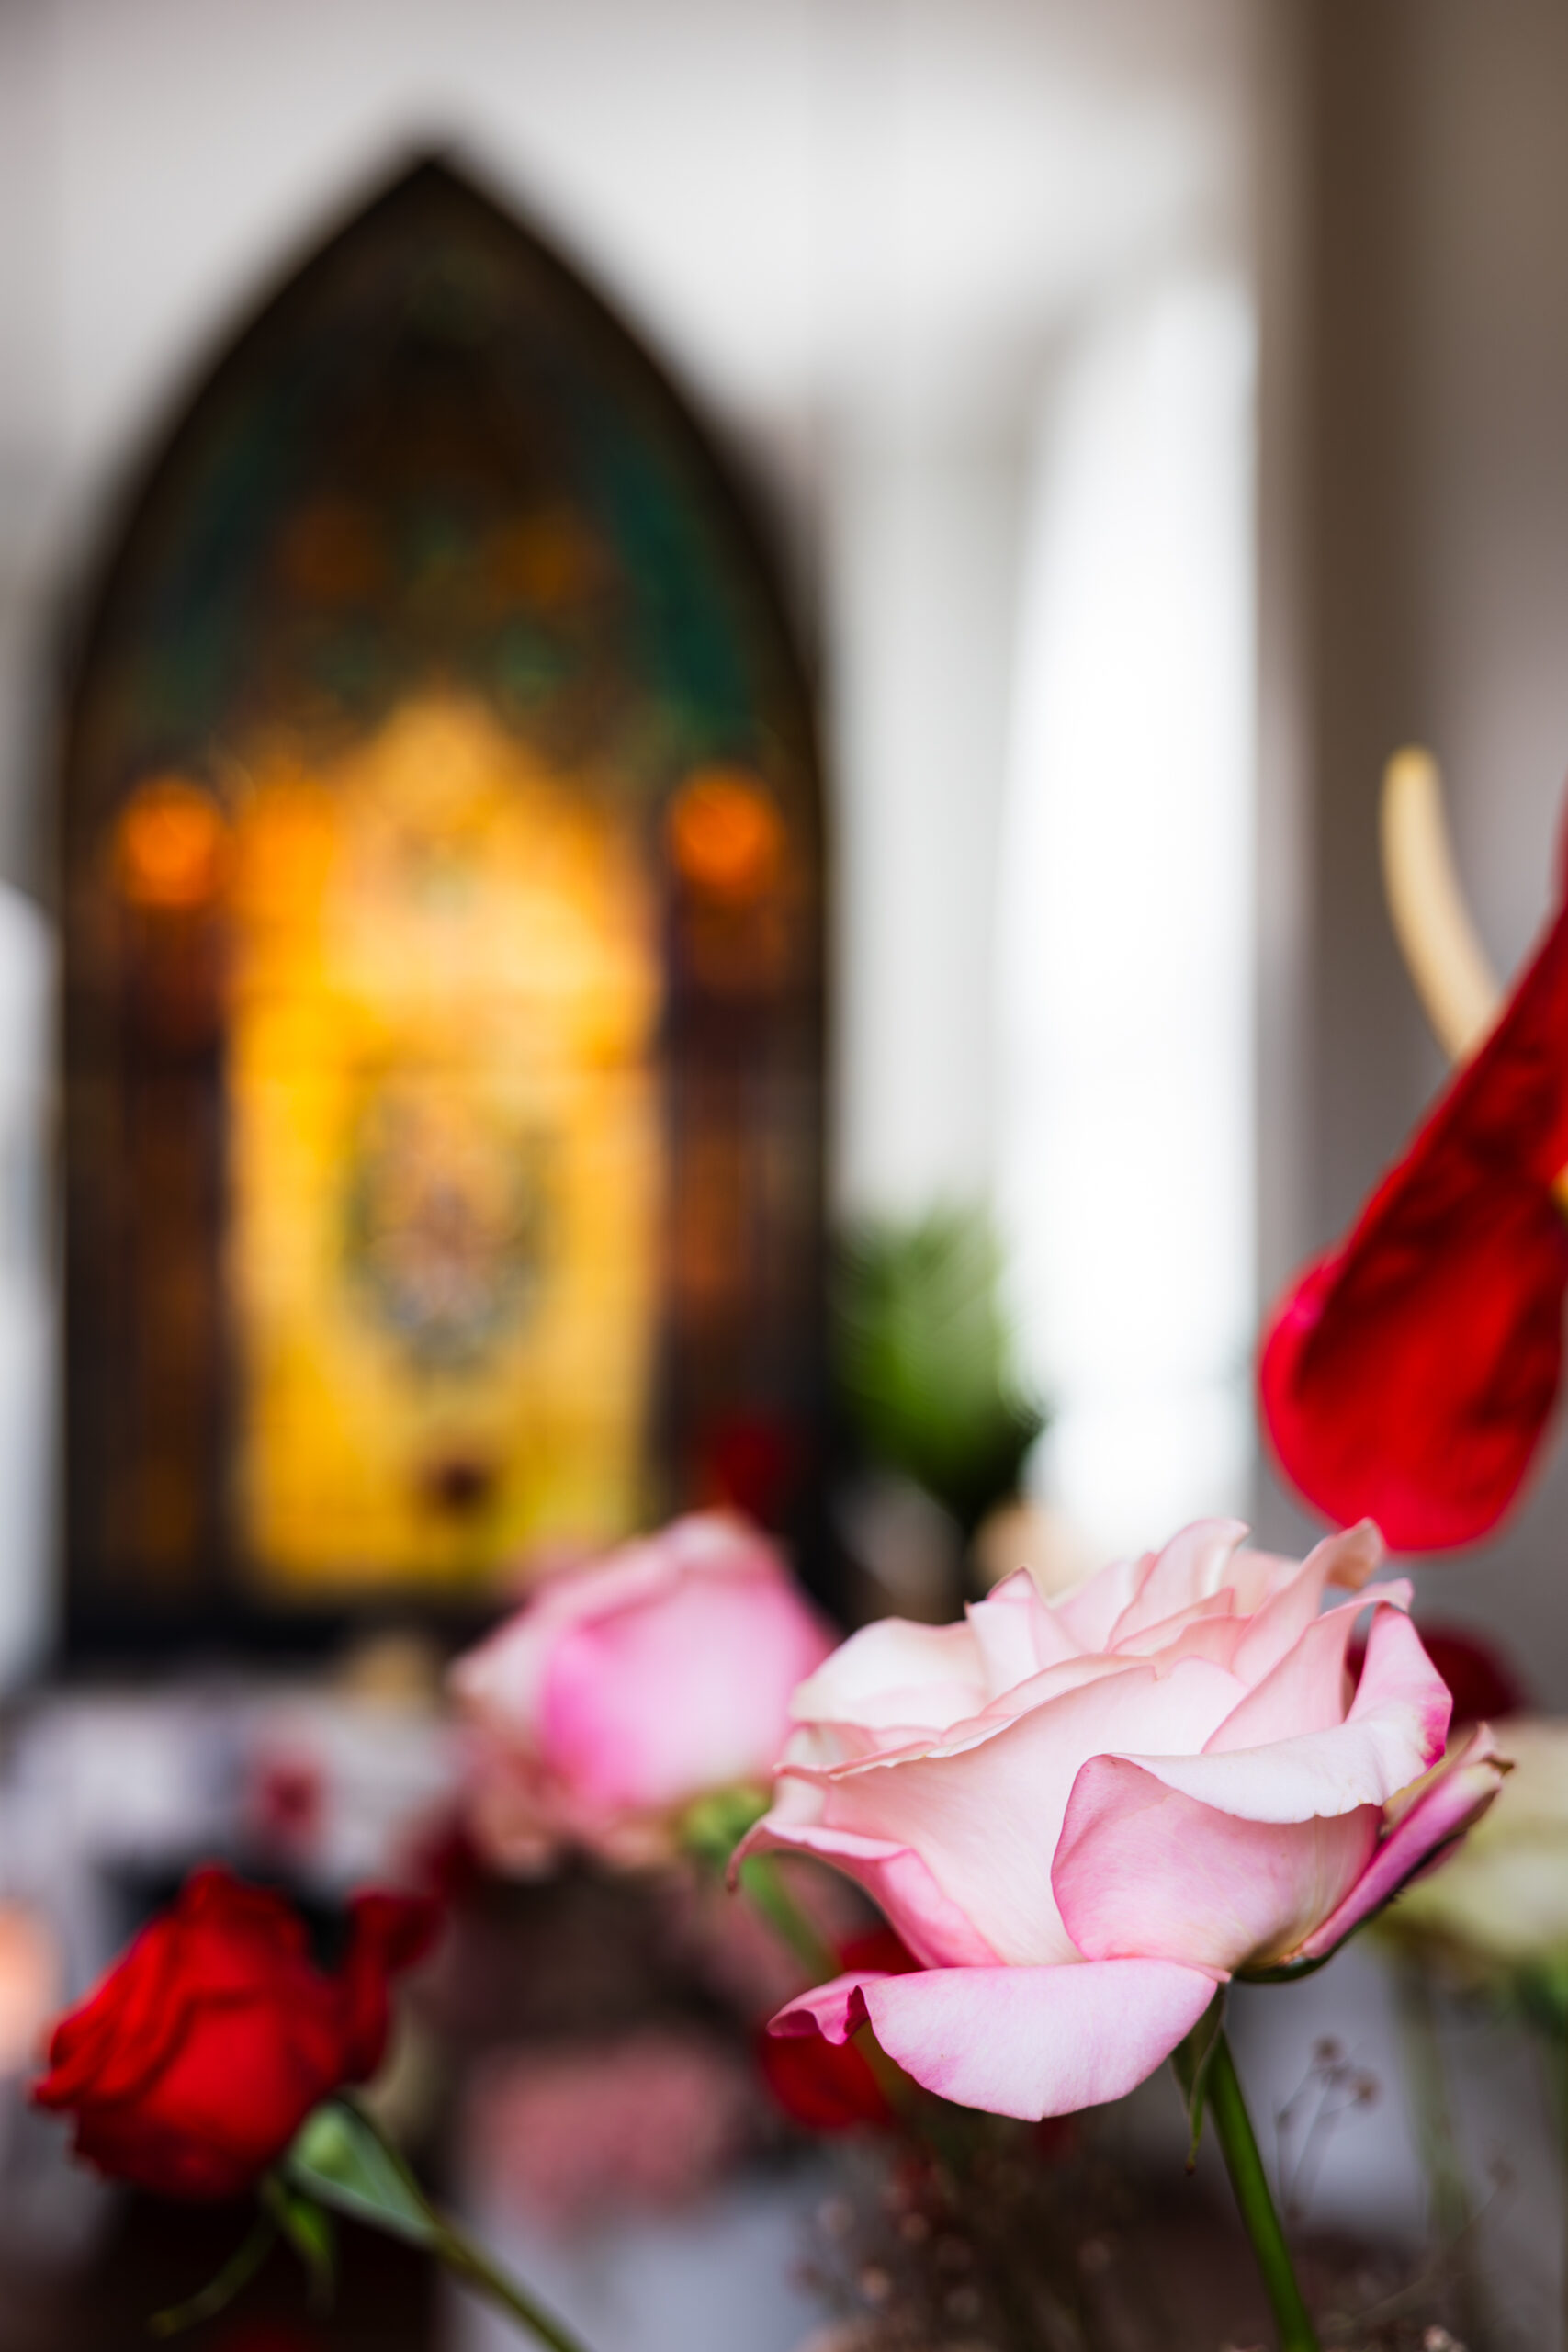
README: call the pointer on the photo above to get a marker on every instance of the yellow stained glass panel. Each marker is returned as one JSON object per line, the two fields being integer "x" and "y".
{"x": 445, "y": 1158}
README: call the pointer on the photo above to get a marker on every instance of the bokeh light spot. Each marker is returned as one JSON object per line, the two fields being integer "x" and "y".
{"x": 725, "y": 834}
{"x": 169, "y": 845}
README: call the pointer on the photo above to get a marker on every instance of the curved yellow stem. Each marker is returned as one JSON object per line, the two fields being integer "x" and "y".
{"x": 1459, "y": 992}
{"x": 1458, "y": 989}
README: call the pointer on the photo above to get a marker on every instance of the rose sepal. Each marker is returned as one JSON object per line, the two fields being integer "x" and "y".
{"x": 339, "y": 2159}
{"x": 1289, "y": 1972}
{"x": 713, "y": 1826}
{"x": 1191, "y": 2060}
{"x": 309, "y": 2229}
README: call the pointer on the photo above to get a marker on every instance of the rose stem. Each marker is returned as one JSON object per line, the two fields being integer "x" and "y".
{"x": 1557, "y": 2051}
{"x": 469, "y": 2261}
{"x": 1450, "y": 2220}
{"x": 1446, "y": 2188}
{"x": 237, "y": 2272}
{"x": 765, "y": 1887}
{"x": 1255, "y": 2201}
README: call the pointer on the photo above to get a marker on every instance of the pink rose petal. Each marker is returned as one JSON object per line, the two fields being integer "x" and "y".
{"x": 1023, "y": 2041}
{"x": 896, "y": 1672}
{"x": 1347, "y": 1560}
{"x": 1190, "y": 1568}
{"x": 1141, "y": 1868}
{"x": 1016, "y": 1634}
{"x": 896, "y": 1878}
{"x": 1308, "y": 1689}
{"x": 987, "y": 1818}
{"x": 1457, "y": 1794}
{"x": 1394, "y": 1729}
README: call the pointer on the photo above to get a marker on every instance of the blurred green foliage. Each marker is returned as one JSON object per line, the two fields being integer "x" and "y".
{"x": 924, "y": 1361}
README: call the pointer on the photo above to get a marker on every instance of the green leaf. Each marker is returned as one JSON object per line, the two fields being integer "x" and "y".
{"x": 341, "y": 2160}
{"x": 1541, "y": 1986}
{"x": 309, "y": 2229}
{"x": 1192, "y": 2060}
{"x": 924, "y": 1355}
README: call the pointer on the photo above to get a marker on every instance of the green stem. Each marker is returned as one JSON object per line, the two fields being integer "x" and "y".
{"x": 1557, "y": 2052}
{"x": 763, "y": 1882}
{"x": 343, "y": 2160}
{"x": 1255, "y": 2201}
{"x": 470, "y": 2262}
{"x": 1447, "y": 2192}
{"x": 1450, "y": 2218}
{"x": 237, "y": 2273}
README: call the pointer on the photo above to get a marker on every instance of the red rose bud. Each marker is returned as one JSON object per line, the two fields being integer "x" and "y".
{"x": 1409, "y": 1376}
{"x": 197, "y": 2059}
{"x": 819, "y": 2086}
{"x": 825, "y": 2086}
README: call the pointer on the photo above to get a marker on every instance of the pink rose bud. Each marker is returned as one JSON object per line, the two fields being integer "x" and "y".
{"x": 621, "y": 1694}
{"x": 1083, "y": 1817}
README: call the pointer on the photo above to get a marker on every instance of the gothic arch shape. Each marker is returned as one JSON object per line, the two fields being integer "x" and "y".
{"x": 442, "y": 861}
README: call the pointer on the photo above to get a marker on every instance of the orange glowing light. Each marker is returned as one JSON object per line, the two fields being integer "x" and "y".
{"x": 725, "y": 834}
{"x": 169, "y": 845}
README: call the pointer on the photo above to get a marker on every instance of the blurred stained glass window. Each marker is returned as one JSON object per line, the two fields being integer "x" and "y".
{"x": 443, "y": 879}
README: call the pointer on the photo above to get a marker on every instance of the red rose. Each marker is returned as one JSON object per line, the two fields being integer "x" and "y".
{"x": 193, "y": 2063}
{"x": 830, "y": 2087}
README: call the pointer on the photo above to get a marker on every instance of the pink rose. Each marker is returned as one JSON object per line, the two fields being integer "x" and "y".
{"x": 620, "y": 1694}
{"x": 1083, "y": 1817}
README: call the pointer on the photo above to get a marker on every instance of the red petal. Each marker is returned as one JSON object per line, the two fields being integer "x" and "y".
{"x": 827, "y": 2088}
{"x": 390, "y": 1933}
{"x": 1407, "y": 1377}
